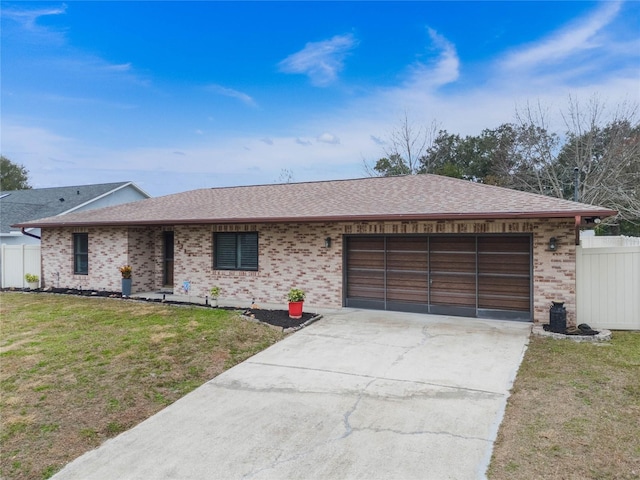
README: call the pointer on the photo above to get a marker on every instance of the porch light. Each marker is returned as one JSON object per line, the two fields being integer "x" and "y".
{"x": 327, "y": 242}
{"x": 553, "y": 245}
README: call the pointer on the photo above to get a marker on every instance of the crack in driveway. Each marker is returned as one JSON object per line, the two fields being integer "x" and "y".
{"x": 239, "y": 385}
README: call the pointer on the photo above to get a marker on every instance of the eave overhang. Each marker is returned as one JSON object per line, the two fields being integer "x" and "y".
{"x": 61, "y": 222}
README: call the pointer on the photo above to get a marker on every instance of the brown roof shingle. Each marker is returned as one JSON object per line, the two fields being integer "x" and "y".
{"x": 379, "y": 198}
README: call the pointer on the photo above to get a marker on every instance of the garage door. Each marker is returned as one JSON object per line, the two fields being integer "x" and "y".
{"x": 475, "y": 276}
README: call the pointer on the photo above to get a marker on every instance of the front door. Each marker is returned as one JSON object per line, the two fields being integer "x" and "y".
{"x": 167, "y": 263}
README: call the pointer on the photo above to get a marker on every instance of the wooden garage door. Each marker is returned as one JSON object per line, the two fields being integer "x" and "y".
{"x": 504, "y": 274}
{"x": 407, "y": 273}
{"x": 453, "y": 275}
{"x": 366, "y": 271}
{"x": 483, "y": 276}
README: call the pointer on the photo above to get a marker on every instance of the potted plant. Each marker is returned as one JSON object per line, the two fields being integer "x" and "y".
{"x": 32, "y": 280}
{"x": 215, "y": 293}
{"x": 125, "y": 270}
{"x": 296, "y": 299}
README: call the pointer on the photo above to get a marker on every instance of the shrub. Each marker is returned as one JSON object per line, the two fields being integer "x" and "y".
{"x": 31, "y": 278}
{"x": 296, "y": 295}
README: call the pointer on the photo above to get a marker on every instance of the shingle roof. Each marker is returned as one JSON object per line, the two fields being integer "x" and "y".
{"x": 378, "y": 198}
{"x": 20, "y": 206}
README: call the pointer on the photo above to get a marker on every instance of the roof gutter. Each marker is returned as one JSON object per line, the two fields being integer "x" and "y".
{"x": 319, "y": 219}
{"x": 24, "y": 232}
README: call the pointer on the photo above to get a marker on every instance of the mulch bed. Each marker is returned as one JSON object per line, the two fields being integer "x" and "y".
{"x": 277, "y": 318}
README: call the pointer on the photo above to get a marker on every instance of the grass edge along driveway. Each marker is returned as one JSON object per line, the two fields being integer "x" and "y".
{"x": 75, "y": 371}
{"x": 574, "y": 412}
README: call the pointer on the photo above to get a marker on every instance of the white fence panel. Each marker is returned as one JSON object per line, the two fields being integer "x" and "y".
{"x": 18, "y": 260}
{"x": 618, "y": 241}
{"x": 608, "y": 287}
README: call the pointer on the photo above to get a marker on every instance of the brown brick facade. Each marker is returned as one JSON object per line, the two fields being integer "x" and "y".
{"x": 290, "y": 255}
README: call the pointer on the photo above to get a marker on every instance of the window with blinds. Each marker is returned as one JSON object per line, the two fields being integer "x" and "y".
{"x": 235, "y": 251}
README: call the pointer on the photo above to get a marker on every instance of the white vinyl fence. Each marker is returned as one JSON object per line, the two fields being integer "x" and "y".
{"x": 18, "y": 260}
{"x": 599, "y": 242}
{"x": 608, "y": 282}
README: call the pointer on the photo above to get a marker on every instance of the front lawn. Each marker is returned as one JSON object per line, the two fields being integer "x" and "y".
{"x": 574, "y": 412}
{"x": 75, "y": 371}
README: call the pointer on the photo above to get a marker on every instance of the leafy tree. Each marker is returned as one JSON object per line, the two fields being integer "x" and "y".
{"x": 392, "y": 166}
{"x": 485, "y": 158}
{"x": 444, "y": 156}
{"x": 12, "y": 175}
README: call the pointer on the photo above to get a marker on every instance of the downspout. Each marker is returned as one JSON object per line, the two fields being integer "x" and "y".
{"x": 576, "y": 198}
{"x": 30, "y": 234}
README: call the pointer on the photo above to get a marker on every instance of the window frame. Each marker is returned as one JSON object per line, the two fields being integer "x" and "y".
{"x": 237, "y": 254}
{"x": 78, "y": 255}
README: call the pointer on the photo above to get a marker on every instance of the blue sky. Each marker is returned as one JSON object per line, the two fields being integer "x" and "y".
{"x": 182, "y": 95}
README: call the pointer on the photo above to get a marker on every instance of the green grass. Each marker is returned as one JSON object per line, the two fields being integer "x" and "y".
{"x": 574, "y": 412}
{"x": 76, "y": 371}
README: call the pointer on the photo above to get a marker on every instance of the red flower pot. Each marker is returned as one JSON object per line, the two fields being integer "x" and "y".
{"x": 295, "y": 309}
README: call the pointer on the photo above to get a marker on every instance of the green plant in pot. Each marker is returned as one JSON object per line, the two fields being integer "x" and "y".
{"x": 296, "y": 300}
{"x": 215, "y": 293}
{"x": 32, "y": 280}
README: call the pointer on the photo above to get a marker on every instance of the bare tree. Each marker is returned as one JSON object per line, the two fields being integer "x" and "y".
{"x": 532, "y": 163}
{"x": 404, "y": 150}
{"x": 604, "y": 149}
{"x": 607, "y": 155}
{"x": 286, "y": 176}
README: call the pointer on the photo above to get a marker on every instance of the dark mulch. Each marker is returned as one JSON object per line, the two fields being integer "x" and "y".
{"x": 277, "y": 318}
{"x": 582, "y": 329}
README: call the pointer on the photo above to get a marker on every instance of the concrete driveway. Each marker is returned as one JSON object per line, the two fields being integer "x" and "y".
{"x": 359, "y": 394}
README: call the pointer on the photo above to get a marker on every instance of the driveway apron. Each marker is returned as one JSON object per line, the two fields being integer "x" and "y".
{"x": 356, "y": 395}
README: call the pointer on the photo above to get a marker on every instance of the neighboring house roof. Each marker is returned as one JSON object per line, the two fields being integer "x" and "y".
{"x": 416, "y": 197}
{"x": 21, "y": 206}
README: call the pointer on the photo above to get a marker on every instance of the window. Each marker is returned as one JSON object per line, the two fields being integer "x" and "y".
{"x": 236, "y": 251}
{"x": 81, "y": 253}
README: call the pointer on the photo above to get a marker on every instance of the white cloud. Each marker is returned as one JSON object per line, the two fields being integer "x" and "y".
{"x": 303, "y": 142}
{"x": 230, "y": 92}
{"x": 320, "y": 61}
{"x": 49, "y": 50}
{"x": 576, "y": 38}
{"x": 28, "y": 18}
{"x": 328, "y": 138}
{"x": 24, "y": 24}
{"x": 267, "y": 141}
{"x": 123, "y": 67}
{"x": 444, "y": 69}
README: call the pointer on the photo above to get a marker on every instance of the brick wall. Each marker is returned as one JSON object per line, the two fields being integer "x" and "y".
{"x": 108, "y": 250}
{"x": 143, "y": 256}
{"x": 554, "y": 273}
{"x": 290, "y": 255}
